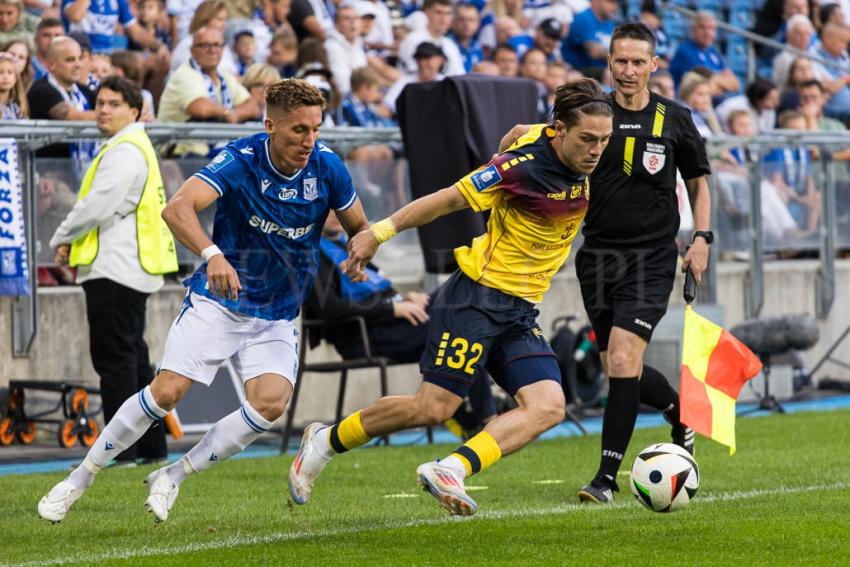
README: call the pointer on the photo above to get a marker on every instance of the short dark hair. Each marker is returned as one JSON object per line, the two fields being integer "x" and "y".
{"x": 504, "y": 47}
{"x": 48, "y": 23}
{"x": 811, "y": 83}
{"x": 577, "y": 97}
{"x": 758, "y": 90}
{"x": 129, "y": 91}
{"x": 431, "y": 3}
{"x": 288, "y": 94}
{"x": 634, "y": 30}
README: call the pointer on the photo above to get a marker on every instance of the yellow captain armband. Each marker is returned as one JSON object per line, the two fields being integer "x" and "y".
{"x": 383, "y": 230}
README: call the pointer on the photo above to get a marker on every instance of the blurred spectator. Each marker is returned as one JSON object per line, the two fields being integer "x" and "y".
{"x": 180, "y": 13}
{"x": 211, "y": 14}
{"x": 650, "y": 18}
{"x": 834, "y": 13}
{"x": 439, "y": 15}
{"x": 699, "y": 51}
{"x": 695, "y": 93}
{"x": 128, "y": 64}
{"x": 761, "y": 99}
{"x": 430, "y": 61}
{"x": 283, "y": 53}
{"x": 150, "y": 19}
{"x": 377, "y": 26}
{"x": 790, "y": 170}
{"x": 315, "y": 71}
{"x": 48, "y": 28}
{"x": 257, "y": 79}
{"x": 16, "y": 22}
{"x": 486, "y": 68}
{"x": 464, "y": 30}
{"x": 84, "y": 42}
{"x": 773, "y": 15}
{"x": 800, "y": 33}
{"x": 661, "y": 83}
{"x": 101, "y": 66}
{"x": 586, "y": 45}
{"x": 13, "y": 97}
{"x": 244, "y": 48}
{"x": 100, "y": 19}
{"x": 60, "y": 96}
{"x": 345, "y": 49}
{"x": 547, "y": 38}
{"x": 21, "y": 54}
{"x": 506, "y": 60}
{"x": 304, "y": 21}
{"x": 506, "y": 13}
{"x": 733, "y": 185}
{"x": 833, "y": 48}
{"x": 199, "y": 92}
{"x": 556, "y": 75}
{"x": 534, "y": 67}
{"x": 801, "y": 71}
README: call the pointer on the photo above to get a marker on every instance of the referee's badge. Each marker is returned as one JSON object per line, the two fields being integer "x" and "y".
{"x": 654, "y": 158}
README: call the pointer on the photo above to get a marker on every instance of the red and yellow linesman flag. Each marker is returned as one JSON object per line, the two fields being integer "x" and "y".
{"x": 715, "y": 366}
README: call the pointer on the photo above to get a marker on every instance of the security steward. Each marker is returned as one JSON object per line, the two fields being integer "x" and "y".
{"x": 121, "y": 248}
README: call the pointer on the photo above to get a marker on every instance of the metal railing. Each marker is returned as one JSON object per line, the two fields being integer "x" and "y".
{"x": 825, "y": 239}
{"x": 31, "y": 135}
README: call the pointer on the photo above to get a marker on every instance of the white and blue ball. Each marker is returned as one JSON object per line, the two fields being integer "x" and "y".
{"x": 664, "y": 477}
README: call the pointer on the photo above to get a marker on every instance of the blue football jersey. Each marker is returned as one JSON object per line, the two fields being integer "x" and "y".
{"x": 268, "y": 224}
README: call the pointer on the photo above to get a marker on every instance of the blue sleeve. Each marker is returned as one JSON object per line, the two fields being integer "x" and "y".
{"x": 62, "y": 16}
{"x": 774, "y": 162}
{"x": 581, "y": 30}
{"x": 224, "y": 173}
{"x": 679, "y": 64}
{"x": 125, "y": 16}
{"x": 341, "y": 191}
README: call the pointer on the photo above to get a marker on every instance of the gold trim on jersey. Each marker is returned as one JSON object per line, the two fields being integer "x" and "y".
{"x": 628, "y": 154}
{"x": 658, "y": 124}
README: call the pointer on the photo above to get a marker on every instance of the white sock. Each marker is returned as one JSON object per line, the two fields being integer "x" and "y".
{"x": 129, "y": 423}
{"x": 322, "y": 441}
{"x": 179, "y": 470}
{"x": 228, "y": 436}
{"x": 455, "y": 465}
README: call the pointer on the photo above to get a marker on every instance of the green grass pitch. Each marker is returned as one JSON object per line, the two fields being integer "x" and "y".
{"x": 783, "y": 499}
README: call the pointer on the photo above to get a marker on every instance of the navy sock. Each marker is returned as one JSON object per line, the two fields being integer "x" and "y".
{"x": 618, "y": 423}
{"x": 656, "y": 392}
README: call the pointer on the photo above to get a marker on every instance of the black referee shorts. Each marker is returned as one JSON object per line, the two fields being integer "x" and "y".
{"x": 626, "y": 288}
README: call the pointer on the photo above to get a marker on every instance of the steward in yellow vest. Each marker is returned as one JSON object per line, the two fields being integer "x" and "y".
{"x": 116, "y": 238}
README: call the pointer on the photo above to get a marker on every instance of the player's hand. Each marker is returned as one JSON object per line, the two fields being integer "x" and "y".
{"x": 63, "y": 252}
{"x": 411, "y": 312}
{"x": 419, "y": 298}
{"x": 222, "y": 278}
{"x": 361, "y": 250}
{"x": 696, "y": 258}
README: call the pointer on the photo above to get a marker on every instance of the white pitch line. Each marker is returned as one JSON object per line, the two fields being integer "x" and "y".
{"x": 402, "y": 495}
{"x": 279, "y": 537}
{"x": 549, "y": 481}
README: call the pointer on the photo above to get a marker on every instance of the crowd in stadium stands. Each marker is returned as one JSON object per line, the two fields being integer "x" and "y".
{"x": 211, "y": 61}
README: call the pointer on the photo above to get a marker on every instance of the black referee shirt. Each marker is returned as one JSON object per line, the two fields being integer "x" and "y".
{"x": 633, "y": 189}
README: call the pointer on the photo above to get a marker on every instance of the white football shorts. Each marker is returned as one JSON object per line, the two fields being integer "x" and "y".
{"x": 205, "y": 334}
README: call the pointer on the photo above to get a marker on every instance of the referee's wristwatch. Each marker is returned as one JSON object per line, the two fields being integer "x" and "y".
{"x": 707, "y": 235}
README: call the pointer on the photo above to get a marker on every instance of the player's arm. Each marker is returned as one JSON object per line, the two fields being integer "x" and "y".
{"x": 181, "y": 216}
{"x": 420, "y": 212}
{"x": 696, "y": 257}
{"x": 353, "y": 219}
{"x": 515, "y": 134}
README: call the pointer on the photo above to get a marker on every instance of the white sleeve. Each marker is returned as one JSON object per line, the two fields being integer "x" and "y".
{"x": 116, "y": 189}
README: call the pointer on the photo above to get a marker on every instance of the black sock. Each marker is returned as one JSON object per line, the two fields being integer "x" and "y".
{"x": 656, "y": 392}
{"x": 618, "y": 423}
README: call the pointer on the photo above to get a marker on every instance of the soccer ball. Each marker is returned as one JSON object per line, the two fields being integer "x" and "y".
{"x": 664, "y": 477}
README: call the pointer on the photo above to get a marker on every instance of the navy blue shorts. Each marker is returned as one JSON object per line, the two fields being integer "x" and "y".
{"x": 475, "y": 328}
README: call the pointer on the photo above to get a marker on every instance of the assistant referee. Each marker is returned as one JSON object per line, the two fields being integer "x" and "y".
{"x": 627, "y": 265}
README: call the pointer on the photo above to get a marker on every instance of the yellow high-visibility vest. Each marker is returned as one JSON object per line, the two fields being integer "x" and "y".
{"x": 156, "y": 244}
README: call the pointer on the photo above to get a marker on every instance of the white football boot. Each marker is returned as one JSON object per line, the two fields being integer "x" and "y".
{"x": 162, "y": 492}
{"x": 447, "y": 487}
{"x": 308, "y": 463}
{"x": 58, "y": 501}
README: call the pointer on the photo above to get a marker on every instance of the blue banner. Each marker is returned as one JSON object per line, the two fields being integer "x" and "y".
{"x": 14, "y": 276}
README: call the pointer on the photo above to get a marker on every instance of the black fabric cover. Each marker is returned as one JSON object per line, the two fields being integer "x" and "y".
{"x": 450, "y": 128}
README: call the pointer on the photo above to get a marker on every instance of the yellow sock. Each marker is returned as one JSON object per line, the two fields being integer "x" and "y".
{"x": 348, "y": 434}
{"x": 478, "y": 453}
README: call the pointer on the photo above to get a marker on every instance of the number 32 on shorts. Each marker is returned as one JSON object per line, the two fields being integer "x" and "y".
{"x": 462, "y": 355}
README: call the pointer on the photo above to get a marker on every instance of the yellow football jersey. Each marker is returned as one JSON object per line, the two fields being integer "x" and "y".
{"x": 536, "y": 207}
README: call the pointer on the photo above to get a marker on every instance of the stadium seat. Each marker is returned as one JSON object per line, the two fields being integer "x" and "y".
{"x": 309, "y": 326}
